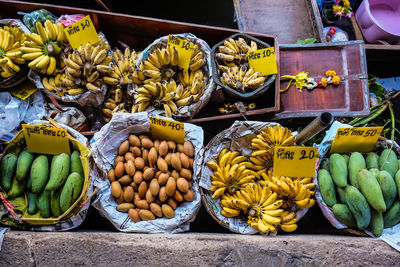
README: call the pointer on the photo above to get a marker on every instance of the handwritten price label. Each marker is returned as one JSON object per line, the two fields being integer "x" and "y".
{"x": 360, "y": 139}
{"x": 81, "y": 33}
{"x": 185, "y": 50}
{"x": 24, "y": 91}
{"x": 295, "y": 161}
{"x": 46, "y": 140}
{"x": 263, "y": 60}
{"x": 167, "y": 129}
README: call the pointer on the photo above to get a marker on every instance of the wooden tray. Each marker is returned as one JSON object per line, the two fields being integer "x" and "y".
{"x": 291, "y": 20}
{"x": 349, "y": 99}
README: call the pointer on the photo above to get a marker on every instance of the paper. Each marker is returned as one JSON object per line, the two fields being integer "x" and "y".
{"x": 185, "y": 50}
{"x": 263, "y": 60}
{"x": 295, "y": 161}
{"x": 81, "y": 33}
{"x": 24, "y": 90}
{"x": 167, "y": 130}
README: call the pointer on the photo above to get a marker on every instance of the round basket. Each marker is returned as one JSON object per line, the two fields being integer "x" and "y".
{"x": 216, "y": 73}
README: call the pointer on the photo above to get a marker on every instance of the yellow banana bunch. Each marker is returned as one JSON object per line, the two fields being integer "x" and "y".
{"x": 56, "y": 85}
{"x": 118, "y": 101}
{"x": 43, "y": 49}
{"x": 11, "y": 39}
{"x": 233, "y": 52}
{"x": 123, "y": 68}
{"x": 193, "y": 86}
{"x": 269, "y": 138}
{"x": 87, "y": 66}
{"x": 242, "y": 77}
{"x": 230, "y": 173}
{"x": 288, "y": 221}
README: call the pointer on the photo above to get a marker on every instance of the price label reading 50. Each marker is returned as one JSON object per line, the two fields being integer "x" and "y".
{"x": 167, "y": 129}
{"x": 295, "y": 161}
{"x": 361, "y": 139}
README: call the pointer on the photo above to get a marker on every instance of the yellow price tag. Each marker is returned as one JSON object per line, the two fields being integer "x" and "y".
{"x": 167, "y": 130}
{"x": 25, "y": 90}
{"x": 81, "y": 33}
{"x": 46, "y": 140}
{"x": 185, "y": 50}
{"x": 263, "y": 60}
{"x": 360, "y": 139}
{"x": 295, "y": 161}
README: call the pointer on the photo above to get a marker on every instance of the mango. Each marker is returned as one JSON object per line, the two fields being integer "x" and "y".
{"x": 388, "y": 161}
{"x": 17, "y": 188}
{"x": 59, "y": 172}
{"x": 32, "y": 203}
{"x": 76, "y": 163}
{"x": 338, "y": 169}
{"x": 55, "y": 203}
{"x": 346, "y": 158}
{"x": 341, "y": 192}
{"x": 388, "y": 187}
{"x": 372, "y": 160}
{"x": 39, "y": 173}
{"x": 70, "y": 191}
{"x": 397, "y": 181}
{"x": 326, "y": 187}
{"x": 377, "y": 224}
{"x": 370, "y": 188}
{"x": 7, "y": 165}
{"x": 392, "y": 216}
{"x": 356, "y": 163}
{"x": 325, "y": 164}
{"x": 358, "y": 206}
{"x": 43, "y": 203}
{"x": 343, "y": 214}
{"x": 23, "y": 165}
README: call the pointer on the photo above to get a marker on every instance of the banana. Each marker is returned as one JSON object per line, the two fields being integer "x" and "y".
{"x": 174, "y": 56}
{"x": 196, "y": 65}
{"x": 41, "y": 31}
{"x": 75, "y": 91}
{"x": 100, "y": 57}
{"x": 51, "y": 69}
{"x": 93, "y": 88}
{"x": 224, "y": 57}
{"x": 50, "y": 30}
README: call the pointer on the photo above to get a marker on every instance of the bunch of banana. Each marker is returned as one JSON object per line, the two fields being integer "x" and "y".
{"x": 234, "y": 52}
{"x": 242, "y": 77}
{"x": 230, "y": 173}
{"x": 11, "y": 39}
{"x": 55, "y": 84}
{"x": 43, "y": 49}
{"x": 123, "y": 68}
{"x": 118, "y": 101}
{"x": 288, "y": 221}
{"x": 87, "y": 67}
{"x": 193, "y": 84}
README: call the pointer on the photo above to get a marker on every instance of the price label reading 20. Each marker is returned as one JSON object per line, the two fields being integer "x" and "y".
{"x": 295, "y": 161}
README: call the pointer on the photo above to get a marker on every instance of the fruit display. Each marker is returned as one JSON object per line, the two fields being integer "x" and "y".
{"x": 247, "y": 188}
{"x": 362, "y": 190}
{"x": 50, "y": 184}
{"x": 42, "y": 50}
{"x": 11, "y": 39}
{"x": 232, "y": 62}
{"x": 151, "y": 178}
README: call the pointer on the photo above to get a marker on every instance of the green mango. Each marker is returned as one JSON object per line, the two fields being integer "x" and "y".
{"x": 370, "y": 188}
{"x": 338, "y": 169}
{"x": 388, "y": 162}
{"x": 377, "y": 224}
{"x": 388, "y": 187}
{"x": 326, "y": 187}
{"x": 372, "y": 160}
{"x": 343, "y": 214}
{"x": 7, "y": 168}
{"x": 24, "y": 163}
{"x": 358, "y": 206}
{"x": 356, "y": 163}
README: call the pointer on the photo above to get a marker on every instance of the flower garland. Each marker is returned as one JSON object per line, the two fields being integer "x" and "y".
{"x": 342, "y": 8}
{"x": 303, "y": 81}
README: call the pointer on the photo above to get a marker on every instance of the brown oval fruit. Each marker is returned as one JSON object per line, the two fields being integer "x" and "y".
{"x": 129, "y": 156}
{"x": 142, "y": 204}
{"x": 175, "y": 162}
{"x": 148, "y": 174}
{"x": 162, "y": 195}
{"x": 141, "y": 136}
{"x": 162, "y": 178}
{"x": 171, "y": 145}
{"x": 138, "y": 177}
{"x": 156, "y": 144}
{"x": 170, "y": 186}
{"x": 168, "y": 159}
{"x": 123, "y": 148}
{"x": 172, "y": 203}
{"x": 120, "y": 199}
{"x": 145, "y": 156}
{"x": 130, "y": 168}
{"x": 129, "y": 193}
{"x": 146, "y": 215}
{"x": 186, "y": 173}
{"x": 135, "y": 186}
{"x": 185, "y": 160}
{"x": 156, "y": 209}
{"x": 116, "y": 189}
{"x": 162, "y": 165}
{"x": 119, "y": 169}
{"x": 180, "y": 147}
{"x": 124, "y": 207}
{"x": 157, "y": 174}
{"x": 178, "y": 196}
{"x": 139, "y": 163}
{"x": 154, "y": 187}
{"x": 152, "y": 157}
{"x": 134, "y": 215}
{"x": 191, "y": 163}
{"x": 125, "y": 180}
{"x": 167, "y": 211}
{"x": 111, "y": 175}
{"x": 175, "y": 174}
{"x": 182, "y": 185}
{"x": 147, "y": 143}
{"x": 137, "y": 152}
{"x": 118, "y": 159}
{"x": 134, "y": 140}
{"x": 188, "y": 196}
{"x": 136, "y": 198}
{"x": 142, "y": 189}
{"x": 131, "y": 149}
{"x": 163, "y": 148}
{"x": 188, "y": 149}
{"x": 149, "y": 197}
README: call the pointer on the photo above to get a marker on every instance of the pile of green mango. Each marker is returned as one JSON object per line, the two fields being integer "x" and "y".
{"x": 51, "y": 187}
{"x": 363, "y": 191}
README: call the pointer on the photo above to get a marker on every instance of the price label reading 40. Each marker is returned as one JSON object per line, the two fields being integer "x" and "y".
{"x": 185, "y": 50}
{"x": 263, "y": 60}
{"x": 167, "y": 130}
{"x": 81, "y": 33}
{"x": 360, "y": 139}
{"x": 46, "y": 140}
{"x": 295, "y": 161}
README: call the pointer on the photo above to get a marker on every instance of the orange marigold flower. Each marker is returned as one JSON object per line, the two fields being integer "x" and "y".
{"x": 336, "y": 80}
{"x": 330, "y": 73}
{"x": 324, "y": 82}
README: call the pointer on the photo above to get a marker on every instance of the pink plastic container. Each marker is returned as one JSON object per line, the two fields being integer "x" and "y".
{"x": 379, "y": 20}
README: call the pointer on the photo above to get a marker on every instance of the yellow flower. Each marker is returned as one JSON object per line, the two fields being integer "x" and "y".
{"x": 330, "y": 73}
{"x": 346, "y": 3}
{"x": 324, "y": 82}
{"x": 336, "y": 80}
{"x": 337, "y": 9}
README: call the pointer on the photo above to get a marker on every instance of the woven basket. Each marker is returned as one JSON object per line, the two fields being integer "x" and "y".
{"x": 216, "y": 73}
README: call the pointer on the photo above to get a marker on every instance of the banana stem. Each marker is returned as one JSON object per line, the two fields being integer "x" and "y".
{"x": 252, "y": 212}
{"x": 372, "y": 109}
{"x": 393, "y": 121}
{"x": 372, "y": 116}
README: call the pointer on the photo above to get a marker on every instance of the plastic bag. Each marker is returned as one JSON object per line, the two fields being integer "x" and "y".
{"x": 68, "y": 20}
{"x": 41, "y": 15}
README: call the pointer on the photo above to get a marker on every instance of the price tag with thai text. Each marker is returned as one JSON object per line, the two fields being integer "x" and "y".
{"x": 295, "y": 161}
{"x": 185, "y": 50}
{"x": 46, "y": 140}
{"x": 360, "y": 139}
{"x": 263, "y": 60}
{"x": 81, "y": 33}
{"x": 24, "y": 90}
{"x": 167, "y": 130}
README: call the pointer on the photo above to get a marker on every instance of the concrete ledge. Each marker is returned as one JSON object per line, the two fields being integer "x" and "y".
{"x": 191, "y": 249}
